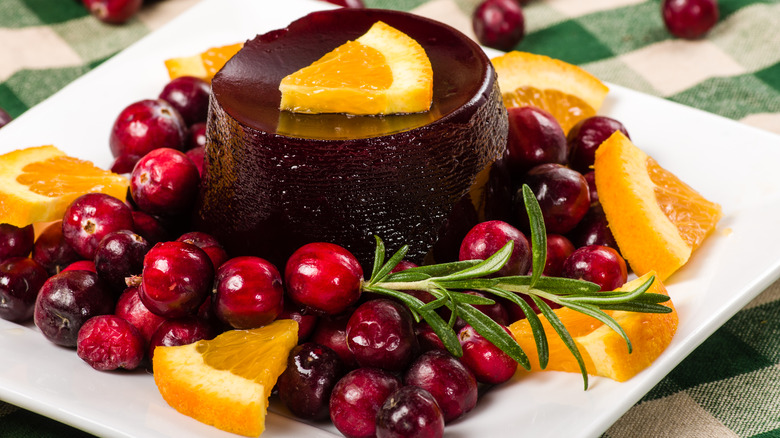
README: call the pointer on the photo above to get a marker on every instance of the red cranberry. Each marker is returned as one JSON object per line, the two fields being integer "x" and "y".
{"x": 197, "y": 136}
{"x": 130, "y": 308}
{"x": 147, "y": 125}
{"x": 182, "y": 331}
{"x": 535, "y": 137}
{"x": 108, "y": 342}
{"x": 16, "y": 241}
{"x": 305, "y": 319}
{"x": 590, "y": 177}
{"x": 176, "y": 279}
{"x": 120, "y": 255}
{"x": 307, "y": 382}
{"x": 113, "y": 11}
{"x": 593, "y": 229}
{"x": 486, "y": 361}
{"x": 486, "y": 238}
{"x": 348, "y": 3}
{"x": 52, "y": 251}
{"x": 209, "y": 244}
{"x": 356, "y": 399}
{"x": 164, "y": 182}
{"x": 89, "y": 218}
{"x": 197, "y": 156}
{"x": 331, "y": 331}
{"x": 190, "y": 96}
{"x": 427, "y": 338}
{"x": 447, "y": 379}
{"x": 410, "y": 412}
{"x": 20, "y": 280}
{"x": 559, "y": 248}
{"x": 124, "y": 163}
{"x": 598, "y": 264}
{"x": 380, "y": 334}
{"x": 81, "y": 265}
{"x": 148, "y": 227}
{"x": 66, "y": 301}
{"x": 495, "y": 311}
{"x": 249, "y": 292}
{"x": 562, "y": 194}
{"x": 690, "y": 19}
{"x": 586, "y": 136}
{"x": 5, "y": 118}
{"x": 499, "y": 24}
{"x": 324, "y": 277}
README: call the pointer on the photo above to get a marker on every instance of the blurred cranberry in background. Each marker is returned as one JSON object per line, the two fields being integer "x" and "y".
{"x": 348, "y": 3}
{"x": 499, "y": 24}
{"x": 690, "y": 19}
{"x": 4, "y": 118}
{"x": 113, "y": 11}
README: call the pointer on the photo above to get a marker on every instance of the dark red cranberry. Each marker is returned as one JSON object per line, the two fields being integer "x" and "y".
{"x": 108, "y": 342}
{"x": 590, "y": 177}
{"x": 148, "y": 227}
{"x": 380, "y": 334}
{"x": 147, "y": 125}
{"x": 81, "y": 265}
{"x": 306, "y": 320}
{"x": 324, "y": 277}
{"x": 462, "y": 218}
{"x": 113, "y": 11}
{"x": 182, "y": 331}
{"x": 52, "y": 251}
{"x": 598, "y": 264}
{"x": 248, "y": 292}
{"x": 89, "y": 218}
{"x": 348, "y": 3}
{"x": 535, "y": 137}
{"x": 197, "y": 156}
{"x": 124, "y": 163}
{"x": 562, "y": 193}
{"x": 486, "y": 238}
{"x": 498, "y": 192}
{"x": 410, "y": 412}
{"x": 593, "y": 229}
{"x": 120, "y": 255}
{"x": 20, "y": 280}
{"x": 197, "y": 136}
{"x": 164, "y": 182}
{"x": 209, "y": 244}
{"x": 447, "y": 379}
{"x": 5, "y": 118}
{"x": 586, "y": 136}
{"x": 176, "y": 279}
{"x": 307, "y": 382}
{"x": 427, "y": 338}
{"x": 499, "y": 24}
{"x": 66, "y": 301}
{"x": 690, "y": 19}
{"x": 190, "y": 96}
{"x": 495, "y": 311}
{"x": 486, "y": 361}
{"x": 559, "y": 248}
{"x": 130, "y": 308}
{"x": 16, "y": 241}
{"x": 356, "y": 399}
{"x": 403, "y": 265}
{"x": 331, "y": 331}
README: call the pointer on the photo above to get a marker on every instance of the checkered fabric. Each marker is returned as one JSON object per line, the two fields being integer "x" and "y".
{"x": 730, "y": 385}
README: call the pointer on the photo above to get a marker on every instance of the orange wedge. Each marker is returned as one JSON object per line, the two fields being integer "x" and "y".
{"x": 566, "y": 91}
{"x": 38, "y": 183}
{"x": 226, "y": 382}
{"x": 203, "y": 65}
{"x": 657, "y": 219}
{"x": 604, "y": 351}
{"x": 382, "y": 72}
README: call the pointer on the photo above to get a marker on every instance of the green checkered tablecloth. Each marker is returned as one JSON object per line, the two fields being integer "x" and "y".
{"x": 730, "y": 385}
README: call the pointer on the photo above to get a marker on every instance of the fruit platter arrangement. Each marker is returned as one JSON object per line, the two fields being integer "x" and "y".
{"x": 362, "y": 222}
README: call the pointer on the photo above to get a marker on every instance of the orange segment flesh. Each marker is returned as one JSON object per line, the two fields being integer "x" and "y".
{"x": 566, "y": 91}
{"x": 202, "y": 65}
{"x": 605, "y": 352}
{"x": 657, "y": 219}
{"x": 226, "y": 382}
{"x": 382, "y": 72}
{"x": 37, "y": 184}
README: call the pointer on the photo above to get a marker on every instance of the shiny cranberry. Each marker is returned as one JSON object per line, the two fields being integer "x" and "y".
{"x": 66, "y": 301}
{"x": 20, "y": 280}
{"x": 486, "y": 361}
{"x": 690, "y": 19}
{"x": 148, "y": 227}
{"x": 306, "y": 320}
{"x": 598, "y": 264}
{"x": 307, "y": 382}
{"x": 495, "y": 311}
{"x": 562, "y": 194}
{"x": 209, "y": 244}
{"x": 164, "y": 182}
{"x": 130, "y": 308}
{"x": 486, "y": 238}
{"x": 462, "y": 218}
{"x": 331, "y": 331}
{"x": 113, "y": 11}
{"x": 499, "y": 24}
{"x": 108, "y": 342}
{"x": 356, "y": 399}
{"x": 176, "y": 279}
{"x": 427, "y": 338}
{"x": 197, "y": 156}
{"x": 535, "y": 137}
{"x": 120, "y": 255}
{"x": 380, "y": 333}
{"x": 89, "y": 218}
{"x": 447, "y": 379}
{"x": 593, "y": 229}
{"x": 190, "y": 96}
{"x": 16, "y": 241}
{"x": 348, "y": 3}
{"x": 586, "y": 136}
{"x": 182, "y": 331}
{"x": 324, "y": 277}
{"x": 410, "y": 412}
{"x": 559, "y": 248}
{"x": 124, "y": 163}
{"x": 197, "y": 136}
{"x": 248, "y": 292}
{"x": 52, "y": 251}
{"x": 81, "y": 265}
{"x": 5, "y": 118}
{"x": 590, "y": 177}
{"x": 147, "y": 125}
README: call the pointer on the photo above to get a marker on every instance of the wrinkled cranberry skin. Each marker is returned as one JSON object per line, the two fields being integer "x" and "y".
{"x": 487, "y": 362}
{"x": 499, "y": 24}
{"x": 119, "y": 255}
{"x": 356, "y": 399}
{"x": 486, "y": 238}
{"x": 130, "y": 308}
{"x": 148, "y": 227}
{"x": 331, "y": 331}
{"x": 164, "y": 182}
{"x": 90, "y": 217}
{"x": 249, "y": 292}
{"x": 113, "y": 11}
{"x": 690, "y": 19}
{"x": 410, "y": 412}
{"x": 562, "y": 193}
{"x": 586, "y": 136}
{"x": 535, "y": 137}
{"x": 380, "y": 333}
{"x": 559, "y": 248}
{"x": 207, "y": 243}
{"x": 306, "y": 320}
{"x": 182, "y": 331}
{"x": 147, "y": 125}
{"x": 324, "y": 277}
{"x": 593, "y": 229}
{"x": 176, "y": 279}
{"x": 66, "y": 301}
{"x": 108, "y": 342}
{"x": 52, "y": 251}
{"x": 190, "y": 96}
{"x": 307, "y": 382}
{"x": 20, "y": 280}
{"x": 598, "y": 264}
{"x": 16, "y": 241}
{"x": 447, "y": 379}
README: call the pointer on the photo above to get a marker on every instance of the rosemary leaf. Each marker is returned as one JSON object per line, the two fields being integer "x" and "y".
{"x": 540, "y": 337}
{"x": 609, "y": 321}
{"x": 392, "y": 263}
{"x": 379, "y": 257}
{"x": 612, "y": 298}
{"x": 490, "y": 265}
{"x": 439, "y": 270}
{"x": 637, "y": 307}
{"x": 538, "y": 234}
{"x": 474, "y": 300}
{"x": 555, "y": 285}
{"x": 558, "y": 326}
{"x": 406, "y": 276}
{"x": 477, "y": 283}
{"x": 495, "y": 333}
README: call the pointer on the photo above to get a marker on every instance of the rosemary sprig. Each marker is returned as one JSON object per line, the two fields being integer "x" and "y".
{"x": 448, "y": 282}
